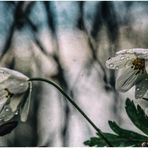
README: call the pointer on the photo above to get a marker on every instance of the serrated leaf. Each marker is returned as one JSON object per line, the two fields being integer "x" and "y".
{"x": 137, "y": 116}
{"x": 115, "y": 140}
{"x": 122, "y": 137}
{"x": 97, "y": 141}
{"x": 94, "y": 141}
{"x": 130, "y": 135}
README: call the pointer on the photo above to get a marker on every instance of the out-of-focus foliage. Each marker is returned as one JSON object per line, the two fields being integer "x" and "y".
{"x": 124, "y": 137}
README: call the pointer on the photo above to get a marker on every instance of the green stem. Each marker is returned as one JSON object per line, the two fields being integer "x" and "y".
{"x": 75, "y": 105}
{"x": 146, "y": 99}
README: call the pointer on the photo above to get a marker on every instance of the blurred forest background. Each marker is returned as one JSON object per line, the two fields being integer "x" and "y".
{"x": 69, "y": 42}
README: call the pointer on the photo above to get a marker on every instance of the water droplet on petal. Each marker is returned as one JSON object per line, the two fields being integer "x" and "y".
{"x": 7, "y": 109}
{"x": 138, "y": 89}
{"x": 22, "y": 84}
{"x": 16, "y": 113}
{"x": 122, "y": 57}
{"x": 111, "y": 65}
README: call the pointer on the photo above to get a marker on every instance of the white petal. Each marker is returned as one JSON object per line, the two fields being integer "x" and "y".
{"x": 133, "y": 50}
{"x": 140, "y": 91}
{"x": 126, "y": 79}
{"x": 6, "y": 113}
{"x": 4, "y": 75}
{"x": 14, "y": 81}
{"x": 15, "y": 101}
{"x": 141, "y": 88}
{"x": 16, "y": 86}
{"x": 8, "y": 116}
{"x": 25, "y": 110}
{"x": 15, "y": 74}
{"x": 139, "y": 52}
{"x": 146, "y": 66}
{"x": 125, "y": 51}
{"x": 119, "y": 61}
{"x": 3, "y": 98}
{"x": 142, "y": 56}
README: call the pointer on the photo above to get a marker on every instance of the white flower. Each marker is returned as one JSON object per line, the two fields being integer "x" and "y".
{"x": 132, "y": 66}
{"x": 14, "y": 86}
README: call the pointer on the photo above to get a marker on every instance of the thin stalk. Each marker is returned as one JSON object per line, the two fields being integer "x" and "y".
{"x": 146, "y": 99}
{"x": 76, "y": 106}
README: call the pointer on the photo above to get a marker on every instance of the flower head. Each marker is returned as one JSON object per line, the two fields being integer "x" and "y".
{"x": 132, "y": 66}
{"x": 15, "y": 93}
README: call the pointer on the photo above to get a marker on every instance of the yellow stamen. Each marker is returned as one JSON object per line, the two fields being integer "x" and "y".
{"x": 9, "y": 93}
{"x": 139, "y": 65}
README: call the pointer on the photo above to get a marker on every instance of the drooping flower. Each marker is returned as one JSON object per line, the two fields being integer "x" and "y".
{"x": 15, "y": 93}
{"x": 132, "y": 69}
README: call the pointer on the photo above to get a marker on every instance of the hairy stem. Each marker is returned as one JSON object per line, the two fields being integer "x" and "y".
{"x": 75, "y": 105}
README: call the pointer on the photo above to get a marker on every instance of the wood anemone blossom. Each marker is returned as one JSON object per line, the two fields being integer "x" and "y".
{"x": 15, "y": 94}
{"x": 132, "y": 69}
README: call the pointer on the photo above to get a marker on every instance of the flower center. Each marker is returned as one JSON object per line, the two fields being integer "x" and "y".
{"x": 9, "y": 94}
{"x": 139, "y": 65}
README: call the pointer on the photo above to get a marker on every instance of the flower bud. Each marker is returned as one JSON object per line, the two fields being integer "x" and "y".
{"x": 15, "y": 94}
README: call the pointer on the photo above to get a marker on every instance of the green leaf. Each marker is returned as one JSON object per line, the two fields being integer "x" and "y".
{"x": 137, "y": 116}
{"x": 130, "y": 135}
{"x": 97, "y": 141}
{"x": 122, "y": 137}
{"x": 115, "y": 140}
{"x": 94, "y": 141}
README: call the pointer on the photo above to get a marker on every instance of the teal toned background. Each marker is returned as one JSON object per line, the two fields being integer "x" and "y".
{"x": 69, "y": 43}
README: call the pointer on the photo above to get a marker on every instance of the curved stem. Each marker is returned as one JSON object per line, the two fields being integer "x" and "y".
{"x": 75, "y": 105}
{"x": 146, "y": 99}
